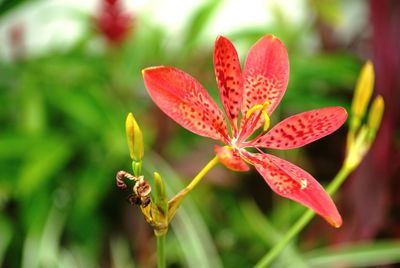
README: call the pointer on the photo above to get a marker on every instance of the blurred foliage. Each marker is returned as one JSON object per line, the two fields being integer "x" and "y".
{"x": 62, "y": 140}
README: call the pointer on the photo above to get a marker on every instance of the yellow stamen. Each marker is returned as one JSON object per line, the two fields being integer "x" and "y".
{"x": 256, "y": 108}
{"x": 263, "y": 108}
{"x": 267, "y": 121}
{"x": 253, "y": 109}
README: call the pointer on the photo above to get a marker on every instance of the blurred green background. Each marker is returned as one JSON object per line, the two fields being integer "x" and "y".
{"x": 69, "y": 74}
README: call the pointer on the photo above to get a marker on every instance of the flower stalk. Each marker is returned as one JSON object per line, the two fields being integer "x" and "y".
{"x": 359, "y": 140}
{"x": 176, "y": 201}
{"x": 156, "y": 209}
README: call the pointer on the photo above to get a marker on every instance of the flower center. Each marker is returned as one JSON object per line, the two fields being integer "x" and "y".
{"x": 252, "y": 118}
{"x": 262, "y": 108}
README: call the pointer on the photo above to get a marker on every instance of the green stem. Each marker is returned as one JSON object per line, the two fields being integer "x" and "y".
{"x": 173, "y": 205}
{"x": 302, "y": 221}
{"x": 161, "y": 251}
{"x": 201, "y": 174}
{"x": 335, "y": 184}
{"x": 175, "y": 202}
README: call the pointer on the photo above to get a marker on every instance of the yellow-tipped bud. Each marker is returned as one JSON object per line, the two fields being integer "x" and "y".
{"x": 375, "y": 116}
{"x": 160, "y": 195}
{"x": 135, "y": 138}
{"x": 363, "y": 91}
{"x": 160, "y": 210}
{"x": 358, "y": 149}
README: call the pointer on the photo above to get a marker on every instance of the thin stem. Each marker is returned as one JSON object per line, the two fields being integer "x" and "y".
{"x": 175, "y": 202}
{"x": 335, "y": 184}
{"x": 173, "y": 205}
{"x": 161, "y": 250}
{"x": 302, "y": 221}
{"x": 196, "y": 179}
{"x": 201, "y": 174}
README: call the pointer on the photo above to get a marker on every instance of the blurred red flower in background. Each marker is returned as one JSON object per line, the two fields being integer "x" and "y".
{"x": 113, "y": 23}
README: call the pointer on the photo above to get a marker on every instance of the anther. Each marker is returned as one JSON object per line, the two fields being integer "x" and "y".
{"x": 267, "y": 121}
{"x": 256, "y": 107}
{"x": 253, "y": 109}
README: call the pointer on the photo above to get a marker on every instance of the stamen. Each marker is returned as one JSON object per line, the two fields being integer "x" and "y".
{"x": 267, "y": 121}
{"x": 257, "y": 107}
{"x": 253, "y": 109}
{"x": 250, "y": 123}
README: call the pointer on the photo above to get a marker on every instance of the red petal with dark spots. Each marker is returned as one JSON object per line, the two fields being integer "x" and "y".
{"x": 229, "y": 78}
{"x": 266, "y": 74}
{"x": 183, "y": 99}
{"x": 230, "y": 159}
{"x": 290, "y": 181}
{"x": 301, "y": 129}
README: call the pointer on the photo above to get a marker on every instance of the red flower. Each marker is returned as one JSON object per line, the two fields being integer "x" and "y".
{"x": 249, "y": 98}
{"x": 113, "y": 23}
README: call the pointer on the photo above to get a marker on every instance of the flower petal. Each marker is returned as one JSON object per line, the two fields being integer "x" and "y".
{"x": 301, "y": 129}
{"x": 290, "y": 181}
{"x": 229, "y": 79}
{"x": 183, "y": 99}
{"x": 266, "y": 74}
{"x": 230, "y": 158}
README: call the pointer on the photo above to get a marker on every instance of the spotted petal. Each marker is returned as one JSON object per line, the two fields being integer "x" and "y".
{"x": 301, "y": 129}
{"x": 290, "y": 181}
{"x": 230, "y": 158}
{"x": 266, "y": 73}
{"x": 183, "y": 99}
{"x": 229, "y": 78}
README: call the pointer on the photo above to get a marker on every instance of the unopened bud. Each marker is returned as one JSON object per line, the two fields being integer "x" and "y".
{"x": 135, "y": 138}
{"x": 160, "y": 195}
{"x": 358, "y": 150}
{"x": 375, "y": 117}
{"x": 363, "y": 91}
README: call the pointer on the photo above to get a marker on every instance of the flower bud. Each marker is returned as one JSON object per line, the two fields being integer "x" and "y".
{"x": 363, "y": 91}
{"x": 375, "y": 117}
{"x": 135, "y": 138}
{"x": 160, "y": 195}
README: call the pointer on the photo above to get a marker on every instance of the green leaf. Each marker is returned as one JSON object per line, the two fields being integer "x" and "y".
{"x": 9, "y": 5}
{"x": 366, "y": 254}
{"x": 198, "y": 22}
{"x": 264, "y": 229}
{"x": 6, "y": 234}
{"x": 42, "y": 163}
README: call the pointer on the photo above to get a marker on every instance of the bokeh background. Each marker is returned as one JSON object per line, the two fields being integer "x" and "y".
{"x": 70, "y": 71}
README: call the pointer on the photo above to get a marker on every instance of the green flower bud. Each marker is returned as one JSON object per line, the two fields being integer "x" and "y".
{"x": 375, "y": 117}
{"x": 135, "y": 138}
{"x": 363, "y": 91}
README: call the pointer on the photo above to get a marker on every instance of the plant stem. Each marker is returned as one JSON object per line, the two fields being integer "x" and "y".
{"x": 173, "y": 205}
{"x": 343, "y": 173}
{"x": 175, "y": 202}
{"x": 161, "y": 250}
{"x": 302, "y": 221}
{"x": 201, "y": 174}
